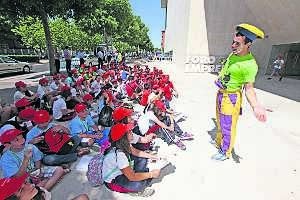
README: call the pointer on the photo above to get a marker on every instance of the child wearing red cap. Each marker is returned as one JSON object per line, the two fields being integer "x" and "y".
{"x": 18, "y": 188}
{"x": 153, "y": 119}
{"x": 124, "y": 167}
{"x": 23, "y": 121}
{"x": 84, "y": 127}
{"x": 92, "y": 107}
{"x": 124, "y": 115}
{"x": 36, "y": 136}
{"x": 60, "y": 109}
{"x": 55, "y": 85}
{"x": 43, "y": 88}
{"x": 23, "y": 92}
{"x": 155, "y": 94}
{"x": 20, "y": 159}
{"x": 96, "y": 86}
{"x": 145, "y": 94}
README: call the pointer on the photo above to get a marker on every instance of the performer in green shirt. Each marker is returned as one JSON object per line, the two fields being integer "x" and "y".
{"x": 239, "y": 72}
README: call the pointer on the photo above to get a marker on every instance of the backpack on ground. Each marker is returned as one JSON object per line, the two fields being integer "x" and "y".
{"x": 56, "y": 142}
{"x": 105, "y": 116}
{"x": 94, "y": 173}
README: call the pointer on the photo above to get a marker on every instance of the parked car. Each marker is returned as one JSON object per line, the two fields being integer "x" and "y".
{"x": 91, "y": 59}
{"x": 88, "y": 58}
{"x": 8, "y": 65}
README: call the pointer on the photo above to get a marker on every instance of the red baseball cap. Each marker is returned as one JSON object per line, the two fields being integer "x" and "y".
{"x": 56, "y": 77}
{"x": 22, "y": 103}
{"x": 118, "y": 131}
{"x": 155, "y": 87}
{"x": 120, "y": 113}
{"x": 41, "y": 116}
{"x": 20, "y": 84}
{"x": 80, "y": 107}
{"x": 160, "y": 105}
{"x": 63, "y": 76}
{"x": 105, "y": 75}
{"x": 74, "y": 71}
{"x": 9, "y": 135}
{"x": 27, "y": 114}
{"x": 9, "y": 186}
{"x": 87, "y": 97}
{"x": 79, "y": 81}
{"x": 43, "y": 81}
{"x": 65, "y": 88}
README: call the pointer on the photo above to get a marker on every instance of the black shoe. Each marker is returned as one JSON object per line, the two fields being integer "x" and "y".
{"x": 269, "y": 78}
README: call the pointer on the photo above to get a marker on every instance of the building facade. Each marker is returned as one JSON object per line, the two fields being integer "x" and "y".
{"x": 205, "y": 27}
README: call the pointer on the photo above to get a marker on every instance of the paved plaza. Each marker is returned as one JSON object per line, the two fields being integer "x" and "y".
{"x": 266, "y": 159}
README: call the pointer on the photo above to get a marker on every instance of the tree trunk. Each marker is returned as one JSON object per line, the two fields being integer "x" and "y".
{"x": 44, "y": 18}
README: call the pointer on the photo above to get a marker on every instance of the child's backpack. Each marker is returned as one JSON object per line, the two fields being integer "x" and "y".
{"x": 56, "y": 142}
{"x": 94, "y": 173}
{"x": 105, "y": 116}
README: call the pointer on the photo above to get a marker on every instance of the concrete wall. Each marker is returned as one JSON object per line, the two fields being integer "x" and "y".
{"x": 177, "y": 29}
{"x": 221, "y": 19}
{"x": 197, "y": 27}
{"x": 197, "y": 43}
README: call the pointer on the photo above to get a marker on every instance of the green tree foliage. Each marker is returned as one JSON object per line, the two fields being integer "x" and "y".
{"x": 114, "y": 19}
{"x": 80, "y": 24}
{"x": 64, "y": 33}
{"x": 31, "y": 31}
{"x": 44, "y": 10}
{"x": 6, "y": 24}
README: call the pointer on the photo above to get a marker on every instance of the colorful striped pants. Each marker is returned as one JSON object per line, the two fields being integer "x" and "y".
{"x": 228, "y": 107}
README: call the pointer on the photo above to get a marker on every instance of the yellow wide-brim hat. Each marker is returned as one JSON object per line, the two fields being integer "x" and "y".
{"x": 250, "y": 31}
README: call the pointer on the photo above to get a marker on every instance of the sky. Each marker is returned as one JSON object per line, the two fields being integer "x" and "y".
{"x": 152, "y": 15}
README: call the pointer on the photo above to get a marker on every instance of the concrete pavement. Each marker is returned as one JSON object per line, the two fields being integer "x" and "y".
{"x": 268, "y": 154}
{"x": 267, "y": 161}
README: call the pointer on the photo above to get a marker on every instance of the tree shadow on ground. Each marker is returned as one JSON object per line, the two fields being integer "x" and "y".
{"x": 213, "y": 134}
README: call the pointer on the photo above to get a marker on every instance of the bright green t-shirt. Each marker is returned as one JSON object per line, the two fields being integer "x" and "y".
{"x": 237, "y": 71}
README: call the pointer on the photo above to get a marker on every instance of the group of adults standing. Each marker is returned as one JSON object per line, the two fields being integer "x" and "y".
{"x": 101, "y": 56}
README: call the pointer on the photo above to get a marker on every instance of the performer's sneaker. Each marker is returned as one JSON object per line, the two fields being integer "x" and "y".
{"x": 219, "y": 156}
{"x": 213, "y": 142}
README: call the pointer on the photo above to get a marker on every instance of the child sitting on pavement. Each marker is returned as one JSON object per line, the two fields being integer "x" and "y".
{"x": 84, "y": 127}
{"x": 20, "y": 159}
{"x": 124, "y": 115}
{"x": 19, "y": 188}
{"x": 124, "y": 167}
{"x": 35, "y": 136}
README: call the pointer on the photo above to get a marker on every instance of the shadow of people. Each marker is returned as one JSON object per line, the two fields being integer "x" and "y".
{"x": 169, "y": 169}
{"x": 213, "y": 134}
{"x": 181, "y": 120}
{"x": 235, "y": 156}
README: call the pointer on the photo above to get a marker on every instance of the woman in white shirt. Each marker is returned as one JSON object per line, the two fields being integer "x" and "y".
{"x": 124, "y": 167}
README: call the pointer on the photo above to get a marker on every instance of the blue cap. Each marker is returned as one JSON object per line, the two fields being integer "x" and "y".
{"x": 251, "y": 36}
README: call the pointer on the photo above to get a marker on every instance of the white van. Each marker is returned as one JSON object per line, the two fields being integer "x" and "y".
{"x": 8, "y": 65}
